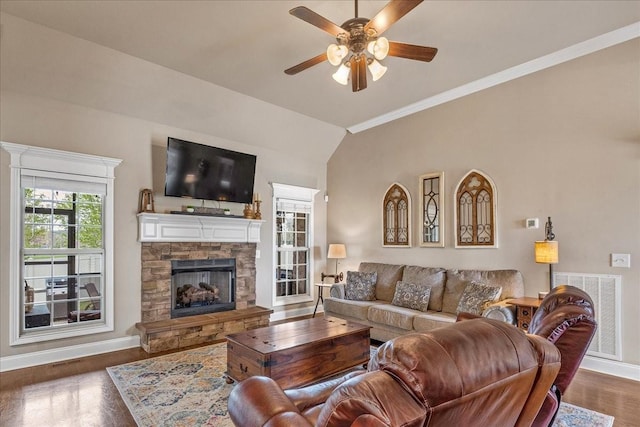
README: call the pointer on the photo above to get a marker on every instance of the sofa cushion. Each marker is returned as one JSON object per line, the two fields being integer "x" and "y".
{"x": 391, "y": 315}
{"x": 434, "y": 278}
{"x": 411, "y": 295}
{"x": 344, "y": 307}
{"x": 432, "y": 319}
{"x": 510, "y": 281}
{"x": 388, "y": 276}
{"x": 360, "y": 286}
{"x": 476, "y": 297}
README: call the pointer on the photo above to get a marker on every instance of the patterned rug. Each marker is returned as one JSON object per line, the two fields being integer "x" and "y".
{"x": 188, "y": 389}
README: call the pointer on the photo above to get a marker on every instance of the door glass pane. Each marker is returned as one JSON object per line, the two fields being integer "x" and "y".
{"x": 292, "y": 253}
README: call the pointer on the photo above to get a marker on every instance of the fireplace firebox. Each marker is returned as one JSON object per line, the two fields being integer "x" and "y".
{"x": 202, "y": 286}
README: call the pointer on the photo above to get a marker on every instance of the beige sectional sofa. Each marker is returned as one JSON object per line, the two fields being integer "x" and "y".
{"x": 446, "y": 289}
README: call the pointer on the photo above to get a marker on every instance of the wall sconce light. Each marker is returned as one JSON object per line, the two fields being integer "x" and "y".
{"x": 546, "y": 252}
{"x": 336, "y": 251}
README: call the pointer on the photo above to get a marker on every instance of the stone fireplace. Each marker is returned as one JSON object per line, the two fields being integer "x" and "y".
{"x": 218, "y": 257}
{"x": 157, "y": 303}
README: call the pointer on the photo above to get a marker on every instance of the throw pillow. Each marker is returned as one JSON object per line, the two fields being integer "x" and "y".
{"x": 360, "y": 286}
{"x": 476, "y": 297}
{"x": 413, "y": 296}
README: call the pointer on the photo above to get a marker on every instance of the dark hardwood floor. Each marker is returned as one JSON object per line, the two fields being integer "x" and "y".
{"x": 80, "y": 393}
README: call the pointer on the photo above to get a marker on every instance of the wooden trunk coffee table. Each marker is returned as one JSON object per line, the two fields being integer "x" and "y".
{"x": 298, "y": 353}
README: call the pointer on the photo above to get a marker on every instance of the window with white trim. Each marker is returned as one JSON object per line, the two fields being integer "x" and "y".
{"x": 293, "y": 237}
{"x": 61, "y": 244}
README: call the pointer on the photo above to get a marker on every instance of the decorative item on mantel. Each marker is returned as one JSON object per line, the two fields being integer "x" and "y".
{"x": 253, "y": 211}
{"x": 202, "y": 210}
{"x": 248, "y": 212}
{"x": 257, "y": 201}
{"x": 145, "y": 202}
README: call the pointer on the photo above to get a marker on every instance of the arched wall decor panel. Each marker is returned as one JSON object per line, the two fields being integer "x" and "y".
{"x": 432, "y": 209}
{"x": 396, "y": 217}
{"x": 475, "y": 207}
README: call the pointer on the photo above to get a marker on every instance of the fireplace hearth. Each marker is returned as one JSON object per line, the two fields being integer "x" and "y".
{"x": 200, "y": 286}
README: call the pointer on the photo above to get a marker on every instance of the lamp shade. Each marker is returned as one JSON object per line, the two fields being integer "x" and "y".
{"x": 377, "y": 69}
{"x": 336, "y": 53}
{"x": 546, "y": 252}
{"x": 342, "y": 75}
{"x": 379, "y": 48}
{"x": 336, "y": 251}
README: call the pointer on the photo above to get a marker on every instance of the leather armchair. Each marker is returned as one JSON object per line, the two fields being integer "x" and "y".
{"x": 566, "y": 319}
{"x": 478, "y": 372}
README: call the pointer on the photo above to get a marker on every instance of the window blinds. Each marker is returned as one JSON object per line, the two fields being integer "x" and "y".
{"x": 62, "y": 182}
{"x": 288, "y": 205}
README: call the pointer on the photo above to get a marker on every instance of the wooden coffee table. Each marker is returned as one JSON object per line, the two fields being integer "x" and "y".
{"x": 297, "y": 353}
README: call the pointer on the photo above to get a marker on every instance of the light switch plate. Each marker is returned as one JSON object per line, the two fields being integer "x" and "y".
{"x": 621, "y": 260}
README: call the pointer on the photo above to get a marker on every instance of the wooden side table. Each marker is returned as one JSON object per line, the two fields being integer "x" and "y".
{"x": 320, "y": 287}
{"x": 525, "y": 308}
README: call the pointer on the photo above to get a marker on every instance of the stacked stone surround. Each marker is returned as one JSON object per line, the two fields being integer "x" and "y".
{"x": 156, "y": 272}
{"x": 159, "y": 332}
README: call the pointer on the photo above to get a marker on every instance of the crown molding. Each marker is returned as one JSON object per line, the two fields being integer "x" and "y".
{"x": 586, "y": 47}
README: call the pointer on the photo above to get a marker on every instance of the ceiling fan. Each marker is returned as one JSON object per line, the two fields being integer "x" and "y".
{"x": 360, "y": 44}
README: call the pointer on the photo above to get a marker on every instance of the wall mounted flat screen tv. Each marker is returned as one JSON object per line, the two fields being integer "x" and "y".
{"x": 203, "y": 172}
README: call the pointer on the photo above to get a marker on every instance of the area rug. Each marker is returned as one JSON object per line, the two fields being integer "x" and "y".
{"x": 188, "y": 389}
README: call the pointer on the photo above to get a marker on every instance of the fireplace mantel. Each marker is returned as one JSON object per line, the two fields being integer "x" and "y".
{"x": 154, "y": 227}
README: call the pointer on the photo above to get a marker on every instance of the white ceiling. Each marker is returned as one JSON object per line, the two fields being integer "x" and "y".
{"x": 245, "y": 45}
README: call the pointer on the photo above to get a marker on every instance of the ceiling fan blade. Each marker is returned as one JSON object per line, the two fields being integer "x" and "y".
{"x": 412, "y": 51}
{"x": 358, "y": 73}
{"x": 389, "y": 14}
{"x": 319, "y": 21}
{"x": 306, "y": 64}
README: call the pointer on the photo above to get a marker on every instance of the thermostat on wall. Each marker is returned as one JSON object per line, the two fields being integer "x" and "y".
{"x": 531, "y": 222}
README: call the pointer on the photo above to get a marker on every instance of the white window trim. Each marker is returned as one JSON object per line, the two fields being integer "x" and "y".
{"x": 295, "y": 194}
{"x": 84, "y": 167}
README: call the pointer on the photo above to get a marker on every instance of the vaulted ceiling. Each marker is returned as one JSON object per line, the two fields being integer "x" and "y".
{"x": 245, "y": 46}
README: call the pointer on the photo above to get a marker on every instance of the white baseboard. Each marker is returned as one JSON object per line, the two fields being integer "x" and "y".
{"x": 44, "y": 357}
{"x": 611, "y": 367}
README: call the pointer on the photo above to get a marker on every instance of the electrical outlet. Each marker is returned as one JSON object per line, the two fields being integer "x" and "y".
{"x": 621, "y": 260}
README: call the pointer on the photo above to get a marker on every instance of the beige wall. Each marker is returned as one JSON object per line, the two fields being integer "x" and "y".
{"x": 65, "y": 93}
{"x": 47, "y": 123}
{"x": 564, "y": 142}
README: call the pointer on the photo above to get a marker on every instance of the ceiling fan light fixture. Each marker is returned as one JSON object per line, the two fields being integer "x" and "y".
{"x": 359, "y": 45}
{"x": 377, "y": 69}
{"x": 342, "y": 75}
{"x": 336, "y": 53}
{"x": 379, "y": 48}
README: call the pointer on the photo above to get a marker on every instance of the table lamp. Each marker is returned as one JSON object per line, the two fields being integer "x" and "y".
{"x": 336, "y": 251}
{"x": 546, "y": 251}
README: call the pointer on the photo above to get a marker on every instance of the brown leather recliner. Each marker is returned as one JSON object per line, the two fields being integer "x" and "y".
{"x": 477, "y": 372}
{"x": 565, "y": 318}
